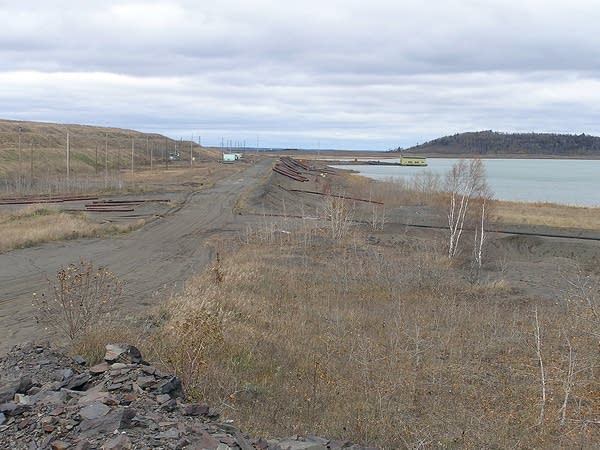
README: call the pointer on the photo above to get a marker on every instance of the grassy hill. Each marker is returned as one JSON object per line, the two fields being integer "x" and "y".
{"x": 43, "y": 148}
{"x": 492, "y": 143}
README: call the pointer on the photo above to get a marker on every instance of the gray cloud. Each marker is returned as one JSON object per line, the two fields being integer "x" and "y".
{"x": 341, "y": 73}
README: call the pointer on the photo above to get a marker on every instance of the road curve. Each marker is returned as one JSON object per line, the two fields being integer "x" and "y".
{"x": 156, "y": 258}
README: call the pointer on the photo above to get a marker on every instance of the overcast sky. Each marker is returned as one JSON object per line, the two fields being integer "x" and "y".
{"x": 336, "y": 74}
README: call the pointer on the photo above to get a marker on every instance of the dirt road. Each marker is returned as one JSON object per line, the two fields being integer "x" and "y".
{"x": 157, "y": 258}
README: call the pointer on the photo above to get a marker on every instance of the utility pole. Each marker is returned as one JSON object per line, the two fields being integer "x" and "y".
{"x": 166, "y": 159}
{"x": 96, "y": 162}
{"x": 132, "y": 148}
{"x": 151, "y": 154}
{"x": 68, "y": 159}
{"x": 191, "y": 152}
{"x": 148, "y": 150}
{"x": 106, "y": 160}
{"x": 31, "y": 167}
{"x": 20, "y": 160}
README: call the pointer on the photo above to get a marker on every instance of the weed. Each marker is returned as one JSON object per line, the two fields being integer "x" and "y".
{"x": 80, "y": 296}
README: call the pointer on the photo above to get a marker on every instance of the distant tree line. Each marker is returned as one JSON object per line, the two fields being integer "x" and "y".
{"x": 496, "y": 143}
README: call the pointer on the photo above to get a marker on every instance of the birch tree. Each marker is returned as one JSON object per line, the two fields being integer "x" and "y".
{"x": 466, "y": 184}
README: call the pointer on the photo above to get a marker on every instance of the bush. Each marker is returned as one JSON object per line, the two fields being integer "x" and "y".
{"x": 80, "y": 296}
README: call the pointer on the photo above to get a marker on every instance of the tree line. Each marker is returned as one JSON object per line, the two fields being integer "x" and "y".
{"x": 494, "y": 143}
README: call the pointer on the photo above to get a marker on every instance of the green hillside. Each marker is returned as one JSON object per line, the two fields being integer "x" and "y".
{"x": 492, "y": 143}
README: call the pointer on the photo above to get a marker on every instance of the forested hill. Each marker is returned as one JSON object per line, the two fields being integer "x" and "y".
{"x": 491, "y": 143}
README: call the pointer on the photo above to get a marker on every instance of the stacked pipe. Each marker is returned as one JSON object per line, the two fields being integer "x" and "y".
{"x": 29, "y": 200}
{"x": 290, "y": 168}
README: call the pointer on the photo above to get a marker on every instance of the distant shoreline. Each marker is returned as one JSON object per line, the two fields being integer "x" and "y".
{"x": 363, "y": 159}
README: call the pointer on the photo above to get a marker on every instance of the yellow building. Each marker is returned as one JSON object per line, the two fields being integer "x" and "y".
{"x": 413, "y": 161}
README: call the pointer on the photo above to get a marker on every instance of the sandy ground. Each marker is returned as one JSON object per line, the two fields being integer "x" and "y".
{"x": 153, "y": 261}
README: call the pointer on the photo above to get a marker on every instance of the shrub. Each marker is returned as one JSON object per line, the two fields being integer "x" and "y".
{"x": 79, "y": 297}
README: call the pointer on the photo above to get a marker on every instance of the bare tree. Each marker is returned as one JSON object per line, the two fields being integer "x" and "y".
{"x": 538, "y": 351}
{"x": 339, "y": 212}
{"x": 480, "y": 235}
{"x": 465, "y": 184}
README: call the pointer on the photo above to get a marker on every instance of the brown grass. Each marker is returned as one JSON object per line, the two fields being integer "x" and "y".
{"x": 548, "y": 214}
{"x": 388, "y": 346}
{"x": 36, "y": 224}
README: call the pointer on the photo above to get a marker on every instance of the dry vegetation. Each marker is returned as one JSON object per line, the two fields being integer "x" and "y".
{"x": 33, "y": 156}
{"x": 296, "y": 332}
{"x": 36, "y": 224}
{"x": 305, "y": 326}
{"x": 552, "y": 215}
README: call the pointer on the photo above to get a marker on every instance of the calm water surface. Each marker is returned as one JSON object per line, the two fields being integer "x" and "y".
{"x": 573, "y": 182}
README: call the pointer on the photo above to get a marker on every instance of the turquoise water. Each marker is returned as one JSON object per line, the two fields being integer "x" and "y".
{"x": 572, "y": 182}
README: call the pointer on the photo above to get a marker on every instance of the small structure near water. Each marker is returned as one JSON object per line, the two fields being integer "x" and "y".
{"x": 413, "y": 161}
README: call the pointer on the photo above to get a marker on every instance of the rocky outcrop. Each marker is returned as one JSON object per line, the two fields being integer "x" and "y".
{"x": 49, "y": 400}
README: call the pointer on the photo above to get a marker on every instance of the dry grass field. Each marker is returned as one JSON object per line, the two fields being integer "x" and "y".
{"x": 37, "y": 224}
{"x": 386, "y": 343}
{"x": 33, "y": 156}
{"x": 552, "y": 215}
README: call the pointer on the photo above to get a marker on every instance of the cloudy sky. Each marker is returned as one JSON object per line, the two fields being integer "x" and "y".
{"x": 330, "y": 73}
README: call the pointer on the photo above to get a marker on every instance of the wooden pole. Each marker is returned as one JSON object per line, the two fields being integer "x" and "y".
{"x": 20, "y": 162}
{"x": 191, "y": 152}
{"x": 132, "y": 148}
{"x": 31, "y": 166}
{"x": 105, "y": 159}
{"x": 68, "y": 159}
{"x": 166, "y": 159}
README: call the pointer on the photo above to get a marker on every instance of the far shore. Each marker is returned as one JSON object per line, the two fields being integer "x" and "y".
{"x": 364, "y": 155}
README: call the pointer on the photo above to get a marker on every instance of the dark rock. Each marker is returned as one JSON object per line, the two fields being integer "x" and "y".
{"x": 50, "y": 397}
{"x": 206, "y": 442}
{"x": 68, "y": 407}
{"x": 171, "y": 433}
{"x": 169, "y": 406}
{"x": 25, "y": 384}
{"x": 98, "y": 369}
{"x": 261, "y": 444}
{"x": 8, "y": 391}
{"x": 83, "y": 444}
{"x": 79, "y": 360}
{"x": 172, "y": 387}
{"x": 145, "y": 382}
{"x": 150, "y": 370}
{"x": 94, "y": 411}
{"x": 122, "y": 353}
{"x": 65, "y": 374}
{"x": 163, "y": 398}
{"x": 59, "y": 445}
{"x": 115, "y": 420}
{"x": 121, "y": 442}
{"x": 12, "y": 409}
{"x": 195, "y": 409}
{"x": 78, "y": 381}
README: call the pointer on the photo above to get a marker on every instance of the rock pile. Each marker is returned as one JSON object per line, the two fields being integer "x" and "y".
{"x": 49, "y": 400}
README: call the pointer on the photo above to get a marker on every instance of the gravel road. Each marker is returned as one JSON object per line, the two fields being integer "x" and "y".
{"x": 157, "y": 258}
